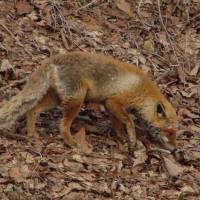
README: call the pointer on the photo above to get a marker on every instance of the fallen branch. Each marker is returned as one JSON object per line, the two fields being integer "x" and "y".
{"x": 13, "y": 84}
{"x": 158, "y": 150}
{"x": 13, "y": 136}
{"x": 167, "y": 33}
{"x": 87, "y": 5}
{"x": 16, "y": 39}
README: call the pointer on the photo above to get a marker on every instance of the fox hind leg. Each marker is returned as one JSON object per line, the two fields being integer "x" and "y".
{"x": 46, "y": 103}
{"x": 71, "y": 107}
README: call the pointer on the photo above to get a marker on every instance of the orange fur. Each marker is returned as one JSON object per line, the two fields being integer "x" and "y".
{"x": 74, "y": 78}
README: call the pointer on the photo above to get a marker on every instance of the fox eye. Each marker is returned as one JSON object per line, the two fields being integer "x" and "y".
{"x": 160, "y": 110}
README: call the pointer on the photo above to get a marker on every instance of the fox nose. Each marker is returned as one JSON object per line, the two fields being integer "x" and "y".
{"x": 170, "y": 134}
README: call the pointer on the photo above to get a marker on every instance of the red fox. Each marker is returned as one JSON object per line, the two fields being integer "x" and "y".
{"x": 71, "y": 79}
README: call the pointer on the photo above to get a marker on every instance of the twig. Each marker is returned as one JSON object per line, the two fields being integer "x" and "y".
{"x": 65, "y": 43}
{"x": 87, "y": 5}
{"x": 2, "y": 47}
{"x": 66, "y": 27}
{"x": 158, "y": 150}
{"x": 139, "y": 5}
{"x": 14, "y": 83}
{"x": 16, "y": 39}
{"x": 14, "y": 136}
{"x": 192, "y": 19}
{"x": 138, "y": 13}
{"x": 164, "y": 27}
{"x": 163, "y": 76}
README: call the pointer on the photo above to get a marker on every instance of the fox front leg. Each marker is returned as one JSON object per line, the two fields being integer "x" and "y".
{"x": 119, "y": 112}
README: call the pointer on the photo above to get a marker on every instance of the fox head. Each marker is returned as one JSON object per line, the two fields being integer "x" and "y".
{"x": 160, "y": 113}
{"x": 154, "y": 108}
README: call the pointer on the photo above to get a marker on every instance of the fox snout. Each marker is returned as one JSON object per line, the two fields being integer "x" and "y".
{"x": 170, "y": 135}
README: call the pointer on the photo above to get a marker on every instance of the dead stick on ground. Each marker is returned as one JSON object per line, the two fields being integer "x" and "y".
{"x": 7, "y": 134}
{"x": 14, "y": 83}
{"x": 87, "y": 5}
{"x": 158, "y": 150}
{"x": 16, "y": 39}
{"x": 166, "y": 31}
{"x": 66, "y": 27}
{"x": 139, "y": 5}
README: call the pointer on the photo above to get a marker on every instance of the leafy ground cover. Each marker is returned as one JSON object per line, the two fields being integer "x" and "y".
{"x": 162, "y": 37}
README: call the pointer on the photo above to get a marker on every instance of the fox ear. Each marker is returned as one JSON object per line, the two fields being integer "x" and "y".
{"x": 160, "y": 110}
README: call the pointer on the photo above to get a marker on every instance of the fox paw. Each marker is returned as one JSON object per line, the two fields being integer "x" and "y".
{"x": 83, "y": 145}
{"x": 33, "y": 135}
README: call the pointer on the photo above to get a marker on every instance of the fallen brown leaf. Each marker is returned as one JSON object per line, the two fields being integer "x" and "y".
{"x": 148, "y": 45}
{"x": 181, "y": 74}
{"x": 172, "y": 167}
{"x": 124, "y": 6}
{"x": 5, "y": 65}
{"x": 73, "y": 166}
{"x": 195, "y": 70}
{"x": 19, "y": 174}
{"x": 23, "y": 7}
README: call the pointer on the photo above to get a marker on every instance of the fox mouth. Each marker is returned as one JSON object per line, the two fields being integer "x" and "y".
{"x": 170, "y": 135}
{"x": 163, "y": 139}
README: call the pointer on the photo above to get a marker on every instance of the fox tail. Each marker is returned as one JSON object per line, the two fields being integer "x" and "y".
{"x": 34, "y": 90}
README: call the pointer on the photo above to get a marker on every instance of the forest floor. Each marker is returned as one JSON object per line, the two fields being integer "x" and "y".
{"x": 162, "y": 37}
